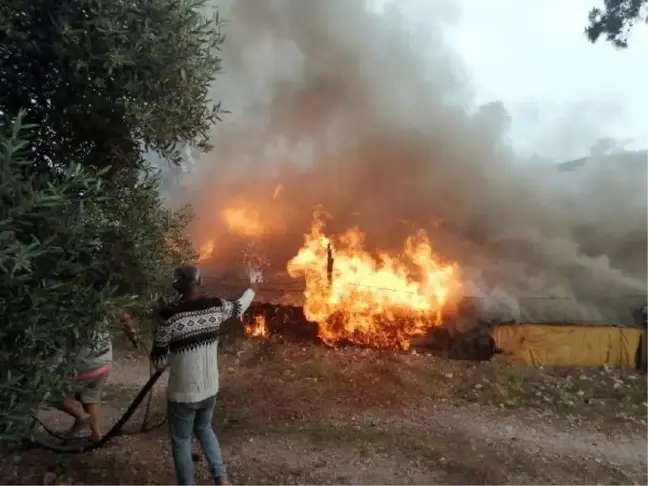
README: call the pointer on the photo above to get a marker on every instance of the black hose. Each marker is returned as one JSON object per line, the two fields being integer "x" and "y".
{"x": 147, "y": 409}
{"x": 51, "y": 432}
{"x": 143, "y": 430}
{"x": 113, "y": 432}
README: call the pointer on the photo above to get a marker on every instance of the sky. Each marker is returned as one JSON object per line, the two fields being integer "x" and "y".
{"x": 562, "y": 92}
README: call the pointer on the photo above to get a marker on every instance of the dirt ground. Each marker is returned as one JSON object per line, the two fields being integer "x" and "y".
{"x": 307, "y": 414}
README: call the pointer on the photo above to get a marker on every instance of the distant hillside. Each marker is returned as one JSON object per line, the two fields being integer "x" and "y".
{"x": 636, "y": 160}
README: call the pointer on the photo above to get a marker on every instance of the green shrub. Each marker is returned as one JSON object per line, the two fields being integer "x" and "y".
{"x": 54, "y": 288}
{"x": 83, "y": 230}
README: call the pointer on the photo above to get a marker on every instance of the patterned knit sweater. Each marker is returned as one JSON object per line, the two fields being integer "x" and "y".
{"x": 187, "y": 341}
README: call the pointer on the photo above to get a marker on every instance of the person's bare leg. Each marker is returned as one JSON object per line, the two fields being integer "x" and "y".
{"x": 80, "y": 420}
{"x": 94, "y": 411}
{"x": 91, "y": 400}
{"x": 69, "y": 406}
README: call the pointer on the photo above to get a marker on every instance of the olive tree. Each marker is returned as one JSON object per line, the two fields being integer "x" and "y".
{"x": 106, "y": 80}
{"x": 615, "y": 20}
{"x": 83, "y": 229}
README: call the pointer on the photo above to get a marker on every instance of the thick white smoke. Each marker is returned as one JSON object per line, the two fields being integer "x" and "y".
{"x": 343, "y": 108}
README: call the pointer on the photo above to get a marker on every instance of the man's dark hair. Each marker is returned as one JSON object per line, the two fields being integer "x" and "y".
{"x": 186, "y": 278}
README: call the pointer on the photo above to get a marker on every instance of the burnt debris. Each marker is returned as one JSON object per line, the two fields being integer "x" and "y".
{"x": 446, "y": 340}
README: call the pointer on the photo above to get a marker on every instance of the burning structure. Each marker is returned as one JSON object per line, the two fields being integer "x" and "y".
{"x": 359, "y": 298}
{"x": 335, "y": 290}
{"x": 335, "y": 105}
{"x": 415, "y": 300}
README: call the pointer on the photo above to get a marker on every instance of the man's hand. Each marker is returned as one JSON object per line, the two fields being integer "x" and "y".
{"x": 256, "y": 277}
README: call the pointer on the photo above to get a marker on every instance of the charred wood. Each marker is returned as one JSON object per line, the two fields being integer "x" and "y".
{"x": 446, "y": 340}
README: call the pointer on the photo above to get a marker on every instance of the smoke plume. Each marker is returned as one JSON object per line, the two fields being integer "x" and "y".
{"x": 347, "y": 109}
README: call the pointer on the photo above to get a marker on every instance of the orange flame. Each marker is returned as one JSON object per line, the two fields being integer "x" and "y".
{"x": 381, "y": 301}
{"x": 258, "y": 328}
{"x": 206, "y": 250}
{"x": 243, "y": 221}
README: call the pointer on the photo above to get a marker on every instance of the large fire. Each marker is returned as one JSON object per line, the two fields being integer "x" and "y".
{"x": 381, "y": 301}
{"x": 206, "y": 250}
{"x": 239, "y": 219}
{"x": 244, "y": 221}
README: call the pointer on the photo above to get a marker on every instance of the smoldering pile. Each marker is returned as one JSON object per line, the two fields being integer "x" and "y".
{"x": 287, "y": 322}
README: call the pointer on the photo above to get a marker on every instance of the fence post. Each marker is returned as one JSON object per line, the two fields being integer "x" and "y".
{"x": 644, "y": 340}
{"x": 329, "y": 265}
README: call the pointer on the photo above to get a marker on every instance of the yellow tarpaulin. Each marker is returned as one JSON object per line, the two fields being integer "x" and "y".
{"x": 568, "y": 345}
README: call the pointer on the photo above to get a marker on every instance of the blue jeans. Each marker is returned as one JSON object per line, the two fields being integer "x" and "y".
{"x": 194, "y": 419}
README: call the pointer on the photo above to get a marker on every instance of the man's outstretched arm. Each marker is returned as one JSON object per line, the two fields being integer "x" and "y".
{"x": 243, "y": 303}
{"x": 236, "y": 309}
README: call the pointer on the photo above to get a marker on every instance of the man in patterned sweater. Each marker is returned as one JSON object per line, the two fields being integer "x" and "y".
{"x": 187, "y": 342}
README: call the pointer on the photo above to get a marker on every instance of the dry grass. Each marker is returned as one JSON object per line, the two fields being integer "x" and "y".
{"x": 352, "y": 377}
{"x": 298, "y": 414}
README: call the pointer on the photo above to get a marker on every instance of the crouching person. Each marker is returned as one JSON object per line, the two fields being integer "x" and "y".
{"x": 187, "y": 342}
